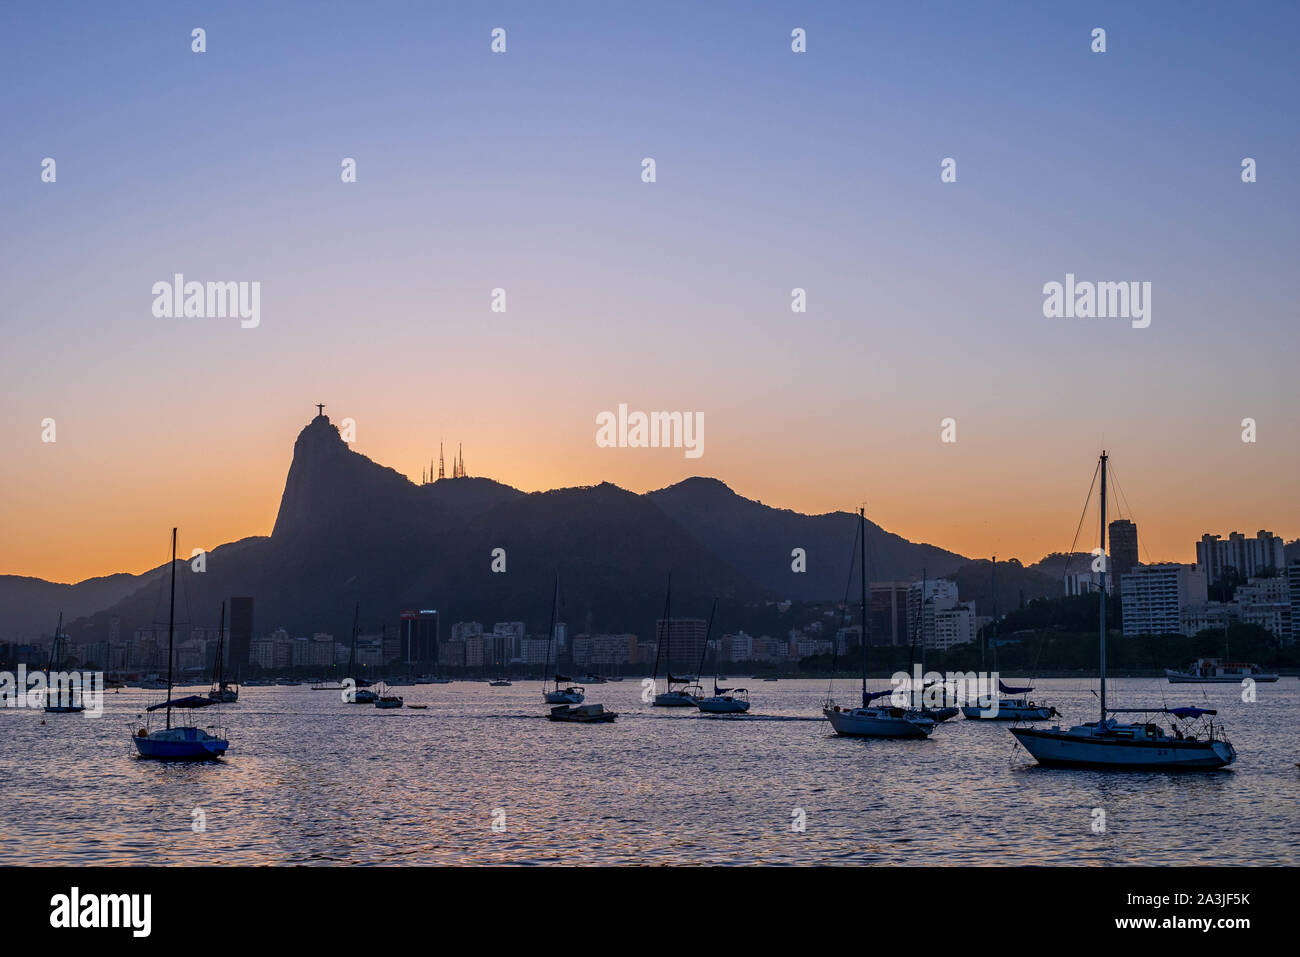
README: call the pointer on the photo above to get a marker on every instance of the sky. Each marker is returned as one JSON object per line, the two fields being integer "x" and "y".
{"x": 775, "y": 170}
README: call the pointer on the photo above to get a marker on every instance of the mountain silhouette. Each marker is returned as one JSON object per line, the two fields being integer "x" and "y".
{"x": 350, "y": 530}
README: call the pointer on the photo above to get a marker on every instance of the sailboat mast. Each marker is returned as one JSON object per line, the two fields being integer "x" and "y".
{"x": 705, "y": 652}
{"x": 862, "y": 560}
{"x": 550, "y": 638}
{"x": 171, "y": 629}
{"x": 54, "y": 648}
{"x": 221, "y": 634}
{"x": 659, "y": 639}
{"x": 352, "y": 655}
{"x": 1102, "y": 590}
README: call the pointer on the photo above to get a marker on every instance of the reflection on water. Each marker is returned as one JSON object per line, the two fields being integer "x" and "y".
{"x": 310, "y": 779}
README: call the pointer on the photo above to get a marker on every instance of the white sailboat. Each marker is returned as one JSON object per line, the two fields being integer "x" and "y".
{"x": 874, "y": 721}
{"x": 687, "y": 694}
{"x": 919, "y": 699}
{"x": 64, "y": 699}
{"x": 361, "y": 692}
{"x": 222, "y": 690}
{"x": 183, "y": 742}
{"x": 1111, "y": 744}
{"x": 723, "y": 700}
{"x": 571, "y": 694}
{"x": 1012, "y": 703}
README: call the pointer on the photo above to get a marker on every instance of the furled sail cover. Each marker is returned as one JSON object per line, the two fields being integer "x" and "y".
{"x": 679, "y": 681}
{"x": 873, "y": 695}
{"x": 1012, "y": 689}
{"x": 1190, "y": 712}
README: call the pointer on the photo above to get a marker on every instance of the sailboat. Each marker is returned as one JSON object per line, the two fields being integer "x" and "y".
{"x": 224, "y": 691}
{"x": 944, "y": 711}
{"x": 1012, "y": 705}
{"x": 723, "y": 700}
{"x": 385, "y": 699}
{"x": 184, "y": 742}
{"x": 874, "y": 721}
{"x": 56, "y": 703}
{"x": 361, "y": 693}
{"x": 679, "y": 697}
{"x": 1119, "y": 745}
{"x": 557, "y": 695}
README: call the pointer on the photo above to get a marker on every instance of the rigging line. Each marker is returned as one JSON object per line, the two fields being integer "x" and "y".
{"x": 1114, "y": 478}
{"x": 1069, "y": 556}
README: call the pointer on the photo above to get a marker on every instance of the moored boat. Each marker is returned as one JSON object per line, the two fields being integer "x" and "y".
{"x": 1110, "y": 744}
{"x": 582, "y": 714}
{"x": 873, "y": 721}
{"x": 185, "y": 742}
{"x": 1218, "y": 671}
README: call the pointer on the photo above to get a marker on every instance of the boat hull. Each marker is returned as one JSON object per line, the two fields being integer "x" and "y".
{"x": 1063, "y": 749}
{"x": 385, "y": 705}
{"x": 675, "y": 699}
{"x": 1006, "y": 712}
{"x": 723, "y": 706}
{"x": 872, "y": 723}
{"x": 180, "y": 744}
{"x": 585, "y": 714}
{"x": 1183, "y": 678}
{"x": 940, "y": 714}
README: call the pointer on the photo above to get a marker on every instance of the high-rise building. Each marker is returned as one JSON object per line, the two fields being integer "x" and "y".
{"x": 940, "y": 595}
{"x": 1154, "y": 597}
{"x": 1123, "y": 547}
{"x": 888, "y": 613}
{"x": 417, "y": 641}
{"x": 241, "y": 631}
{"x": 1293, "y": 591}
{"x": 681, "y": 644}
{"x": 604, "y": 650}
{"x": 1250, "y": 557}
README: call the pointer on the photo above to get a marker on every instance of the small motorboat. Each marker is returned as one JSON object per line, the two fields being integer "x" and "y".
{"x": 582, "y": 714}
{"x": 418, "y": 707}
{"x": 1009, "y": 709}
{"x": 389, "y": 701}
{"x": 364, "y": 696}
{"x": 500, "y": 683}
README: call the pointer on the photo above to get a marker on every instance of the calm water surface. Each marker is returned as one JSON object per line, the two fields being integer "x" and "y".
{"x": 310, "y": 779}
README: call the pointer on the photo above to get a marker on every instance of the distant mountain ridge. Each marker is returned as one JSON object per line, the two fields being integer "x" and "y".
{"x": 351, "y": 530}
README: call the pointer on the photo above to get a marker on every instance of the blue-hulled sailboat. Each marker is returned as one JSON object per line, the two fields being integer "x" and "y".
{"x": 183, "y": 742}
